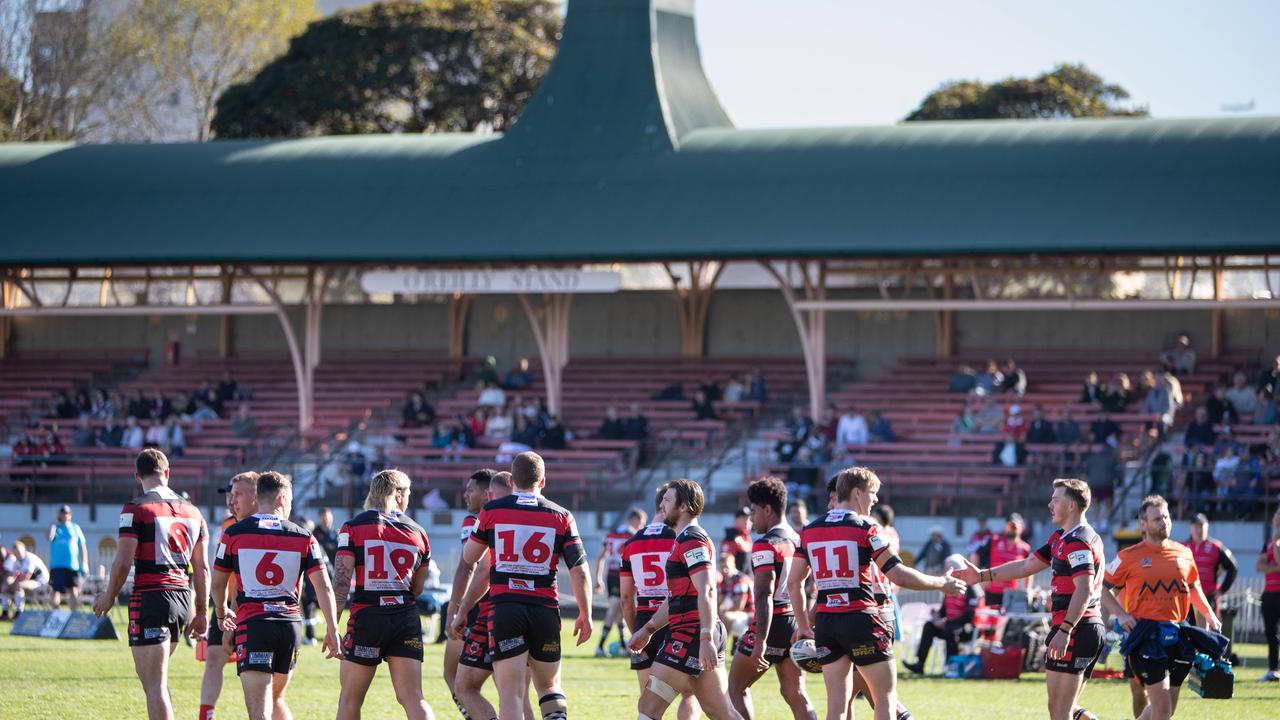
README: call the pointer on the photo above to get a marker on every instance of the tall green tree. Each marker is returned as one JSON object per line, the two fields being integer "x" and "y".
{"x": 431, "y": 66}
{"x": 1069, "y": 91}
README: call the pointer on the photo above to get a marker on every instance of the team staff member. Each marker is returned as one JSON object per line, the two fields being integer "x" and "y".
{"x": 694, "y": 639}
{"x": 1211, "y": 557}
{"x": 609, "y": 575}
{"x": 997, "y": 550}
{"x": 269, "y": 556}
{"x": 1269, "y": 563}
{"x": 388, "y": 555}
{"x": 767, "y": 642}
{"x": 643, "y": 582}
{"x": 242, "y": 501}
{"x": 474, "y": 496}
{"x": 1160, "y": 581}
{"x": 527, "y": 535}
{"x": 68, "y": 559}
{"x": 1075, "y": 553}
{"x": 851, "y": 631}
{"x": 160, "y": 536}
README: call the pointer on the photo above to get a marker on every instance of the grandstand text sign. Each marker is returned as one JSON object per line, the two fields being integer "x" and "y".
{"x": 427, "y": 282}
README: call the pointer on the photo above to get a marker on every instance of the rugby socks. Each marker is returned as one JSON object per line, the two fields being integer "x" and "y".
{"x": 1082, "y": 714}
{"x": 604, "y": 635}
{"x": 206, "y": 712}
{"x": 462, "y": 709}
{"x": 554, "y": 706}
{"x": 904, "y": 715}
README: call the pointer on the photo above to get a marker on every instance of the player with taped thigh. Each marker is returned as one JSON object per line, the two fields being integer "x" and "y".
{"x": 691, "y": 656}
{"x": 609, "y": 578}
{"x": 242, "y": 501}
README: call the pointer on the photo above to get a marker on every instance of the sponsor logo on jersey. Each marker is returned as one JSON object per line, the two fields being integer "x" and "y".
{"x": 520, "y": 584}
{"x": 654, "y": 529}
{"x": 696, "y": 555}
{"x": 1113, "y": 565}
{"x": 126, "y": 519}
{"x": 1146, "y": 562}
{"x": 838, "y": 600}
{"x": 760, "y": 558}
{"x": 837, "y": 515}
{"x": 526, "y": 499}
{"x": 1079, "y": 558}
{"x": 275, "y": 607}
{"x": 877, "y": 541}
{"x": 344, "y": 539}
{"x": 222, "y": 550}
{"x": 385, "y": 600}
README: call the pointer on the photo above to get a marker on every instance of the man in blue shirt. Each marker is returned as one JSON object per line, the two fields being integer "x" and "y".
{"x": 68, "y": 559}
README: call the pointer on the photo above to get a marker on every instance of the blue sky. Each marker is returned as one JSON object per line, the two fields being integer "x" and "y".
{"x": 805, "y": 63}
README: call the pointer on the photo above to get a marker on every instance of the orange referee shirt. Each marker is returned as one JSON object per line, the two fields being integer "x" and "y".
{"x": 1157, "y": 581}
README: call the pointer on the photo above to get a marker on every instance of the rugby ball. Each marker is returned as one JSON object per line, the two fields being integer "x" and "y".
{"x": 805, "y": 655}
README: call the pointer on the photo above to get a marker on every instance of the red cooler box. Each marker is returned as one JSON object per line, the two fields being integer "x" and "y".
{"x": 1001, "y": 663}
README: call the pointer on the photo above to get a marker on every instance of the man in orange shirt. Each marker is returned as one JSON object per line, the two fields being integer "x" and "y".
{"x": 1159, "y": 583}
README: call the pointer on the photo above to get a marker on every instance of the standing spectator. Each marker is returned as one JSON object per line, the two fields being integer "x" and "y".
{"x": 1159, "y": 400}
{"x": 1067, "y": 429}
{"x": 133, "y": 436}
{"x": 417, "y": 412}
{"x": 977, "y": 541}
{"x": 702, "y": 407}
{"x": 518, "y": 377}
{"x": 1100, "y": 475}
{"x": 1270, "y": 379}
{"x": 84, "y": 435}
{"x": 934, "y": 553}
{"x": 1220, "y": 410}
{"x": 1224, "y": 474}
{"x": 1243, "y": 398}
{"x": 1181, "y": 359}
{"x": 611, "y": 427}
{"x": 963, "y": 380}
{"x": 879, "y": 429}
{"x": 851, "y": 430}
{"x": 989, "y": 417}
{"x": 990, "y": 380}
{"x": 243, "y": 425}
{"x": 1200, "y": 432}
{"x": 1040, "y": 431}
{"x": 1092, "y": 391}
{"x": 1012, "y": 450}
{"x": 1014, "y": 380}
{"x": 492, "y": 396}
{"x": 636, "y": 427}
{"x": 68, "y": 559}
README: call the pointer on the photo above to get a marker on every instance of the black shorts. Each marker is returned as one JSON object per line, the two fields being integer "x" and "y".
{"x": 269, "y": 646}
{"x": 777, "y": 646}
{"x": 214, "y": 635}
{"x": 682, "y": 646}
{"x": 517, "y": 628}
{"x": 63, "y": 579}
{"x": 1152, "y": 672}
{"x": 644, "y": 660}
{"x": 1082, "y": 651}
{"x": 157, "y": 616}
{"x": 863, "y": 637}
{"x": 476, "y": 652}
{"x": 372, "y": 636}
{"x": 613, "y": 584}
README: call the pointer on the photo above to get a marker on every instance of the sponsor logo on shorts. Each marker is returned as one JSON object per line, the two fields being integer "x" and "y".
{"x": 553, "y": 646}
{"x": 675, "y": 647}
{"x": 366, "y": 651}
{"x": 261, "y": 658}
{"x": 414, "y": 643}
{"x": 777, "y": 651}
{"x": 520, "y": 584}
{"x": 1083, "y": 662}
{"x": 385, "y": 600}
{"x": 153, "y": 633}
{"x": 822, "y": 651}
{"x": 133, "y": 627}
{"x": 240, "y": 652}
{"x": 693, "y": 662}
{"x": 510, "y": 644}
{"x": 862, "y": 650}
{"x": 473, "y": 648}
{"x": 838, "y": 600}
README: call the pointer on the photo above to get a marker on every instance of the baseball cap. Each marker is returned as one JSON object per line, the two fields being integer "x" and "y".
{"x": 1016, "y": 518}
{"x": 64, "y": 509}
{"x": 1199, "y": 519}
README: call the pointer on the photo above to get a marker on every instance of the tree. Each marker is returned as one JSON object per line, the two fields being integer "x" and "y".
{"x": 1070, "y": 91}
{"x": 432, "y": 66}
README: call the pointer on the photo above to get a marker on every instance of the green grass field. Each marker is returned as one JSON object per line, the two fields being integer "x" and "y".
{"x": 78, "y": 679}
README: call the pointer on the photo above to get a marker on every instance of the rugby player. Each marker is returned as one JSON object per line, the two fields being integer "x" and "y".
{"x": 474, "y": 495}
{"x": 1211, "y": 557}
{"x": 997, "y": 550}
{"x": 269, "y": 556}
{"x": 161, "y": 534}
{"x": 242, "y": 501}
{"x": 388, "y": 554}
{"x": 1075, "y": 553}
{"x": 608, "y": 575}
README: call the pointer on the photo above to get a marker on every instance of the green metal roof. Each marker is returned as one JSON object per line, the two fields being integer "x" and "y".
{"x": 629, "y": 156}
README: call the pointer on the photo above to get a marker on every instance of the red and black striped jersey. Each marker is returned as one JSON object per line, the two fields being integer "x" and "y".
{"x": 388, "y": 548}
{"x": 774, "y": 551}
{"x": 693, "y": 554}
{"x": 468, "y": 527}
{"x": 843, "y": 547}
{"x": 526, "y": 535}
{"x": 644, "y": 559}
{"x": 737, "y": 585}
{"x": 1069, "y": 554}
{"x": 738, "y": 544}
{"x": 166, "y": 527}
{"x": 613, "y": 543}
{"x": 269, "y": 556}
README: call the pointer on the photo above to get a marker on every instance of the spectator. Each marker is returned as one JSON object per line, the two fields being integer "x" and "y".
{"x": 963, "y": 380}
{"x": 1104, "y": 430}
{"x": 674, "y": 391}
{"x": 133, "y": 436}
{"x": 611, "y": 427}
{"x": 990, "y": 380}
{"x": 173, "y": 440}
{"x": 1248, "y": 482}
{"x": 1199, "y": 481}
{"x": 934, "y": 553}
{"x": 243, "y": 425}
{"x": 1040, "y": 430}
{"x": 1012, "y": 450}
{"x": 478, "y": 421}
{"x": 1067, "y": 429}
{"x": 204, "y": 411}
{"x": 1014, "y": 380}
{"x": 63, "y": 408}
{"x": 1200, "y": 432}
{"x": 553, "y": 436}
{"x": 159, "y": 407}
{"x": 1181, "y": 359}
{"x": 499, "y": 426}
{"x": 798, "y": 513}
{"x": 1243, "y": 398}
{"x": 1270, "y": 379}
{"x": 757, "y": 388}
{"x": 155, "y": 435}
{"x": 68, "y": 559}
{"x": 964, "y": 422}
{"x": 978, "y": 541}
{"x": 1100, "y": 475}
{"x": 1092, "y": 391}
{"x": 851, "y": 430}
{"x": 525, "y": 431}
{"x": 737, "y": 538}
{"x": 734, "y": 390}
{"x": 417, "y": 412}
{"x": 799, "y": 425}
{"x": 712, "y": 389}
{"x": 1117, "y": 394}
{"x": 228, "y": 389}
{"x": 990, "y": 417}
{"x": 488, "y": 372}
{"x": 879, "y": 429}
{"x": 1268, "y": 412}
{"x": 84, "y": 406}
{"x": 518, "y": 377}
{"x": 703, "y": 409}
{"x": 492, "y": 396}
{"x": 84, "y": 435}
{"x": 952, "y": 621}
{"x": 112, "y": 435}
{"x": 1159, "y": 399}
{"x": 1224, "y": 474}
{"x": 636, "y": 427}
{"x": 825, "y": 431}
{"x": 1220, "y": 410}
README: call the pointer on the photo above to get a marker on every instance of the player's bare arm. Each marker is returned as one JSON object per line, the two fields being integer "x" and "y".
{"x": 200, "y": 580}
{"x": 627, "y": 590}
{"x": 706, "y": 617}
{"x": 580, "y": 579}
{"x": 1208, "y": 618}
{"x": 475, "y": 590}
{"x": 120, "y": 567}
{"x": 319, "y": 579}
{"x": 1012, "y": 570}
{"x": 1113, "y": 607}
{"x": 949, "y": 584}
{"x": 641, "y": 636}
{"x": 764, "y": 583}
{"x": 795, "y": 587}
{"x": 343, "y": 568}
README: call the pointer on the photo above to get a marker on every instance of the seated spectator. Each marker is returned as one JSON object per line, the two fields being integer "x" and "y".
{"x": 63, "y": 408}
{"x": 1199, "y": 482}
{"x": 154, "y": 436}
{"x": 1040, "y": 430}
{"x": 1268, "y": 409}
{"x": 525, "y": 431}
{"x": 1248, "y": 482}
{"x": 1181, "y": 358}
{"x": 803, "y": 472}
{"x": 825, "y": 430}
{"x": 133, "y": 437}
{"x": 712, "y": 389}
{"x": 553, "y": 436}
{"x": 478, "y": 421}
{"x": 1200, "y": 432}
{"x": 499, "y": 425}
{"x": 84, "y": 405}
{"x": 51, "y": 450}
{"x": 447, "y": 436}
{"x": 702, "y": 407}
{"x": 964, "y": 422}
{"x": 518, "y": 377}
{"x": 173, "y": 440}
{"x": 1243, "y": 398}
{"x": 112, "y": 435}
{"x": 851, "y": 429}
{"x": 757, "y": 388}
{"x": 879, "y": 429}
{"x": 1012, "y": 450}
{"x": 1117, "y": 394}
{"x": 492, "y": 396}
{"x": 228, "y": 389}
{"x": 417, "y": 412}
{"x": 963, "y": 380}
{"x": 488, "y": 371}
{"x": 204, "y": 411}
{"x": 1105, "y": 431}
{"x": 138, "y": 407}
{"x": 989, "y": 417}
{"x": 26, "y": 451}
{"x": 635, "y": 427}
{"x": 1014, "y": 380}
{"x": 674, "y": 391}
{"x": 1269, "y": 380}
{"x": 159, "y": 407}
{"x": 611, "y": 427}
{"x": 990, "y": 380}
{"x": 734, "y": 390}
{"x": 1220, "y": 410}
{"x": 952, "y": 621}
{"x": 214, "y": 401}
{"x": 1092, "y": 391}
{"x": 243, "y": 425}
{"x": 84, "y": 435}
{"x": 1224, "y": 473}
{"x": 1067, "y": 429}
{"x": 799, "y": 425}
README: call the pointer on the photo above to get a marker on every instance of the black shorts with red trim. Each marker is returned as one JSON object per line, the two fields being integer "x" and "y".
{"x": 214, "y": 635}
{"x": 864, "y": 637}
{"x": 777, "y": 647}
{"x": 267, "y": 645}
{"x": 516, "y": 628}
{"x": 644, "y": 659}
{"x": 157, "y": 616}
{"x": 1083, "y": 650}
{"x": 372, "y": 636}
{"x": 681, "y": 646}
{"x": 476, "y": 651}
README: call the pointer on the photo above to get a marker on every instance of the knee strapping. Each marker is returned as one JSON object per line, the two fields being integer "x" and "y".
{"x": 461, "y": 708}
{"x": 554, "y": 706}
{"x": 659, "y": 687}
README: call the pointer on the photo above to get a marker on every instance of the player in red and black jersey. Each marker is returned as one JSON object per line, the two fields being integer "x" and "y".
{"x": 609, "y": 577}
{"x": 768, "y": 640}
{"x": 1075, "y": 553}
{"x": 474, "y": 493}
{"x": 851, "y": 631}
{"x": 527, "y": 534}
{"x": 387, "y": 553}
{"x": 269, "y": 556}
{"x": 997, "y": 550}
{"x": 161, "y": 534}
{"x": 1212, "y": 557}
{"x": 242, "y": 501}
{"x": 694, "y": 639}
